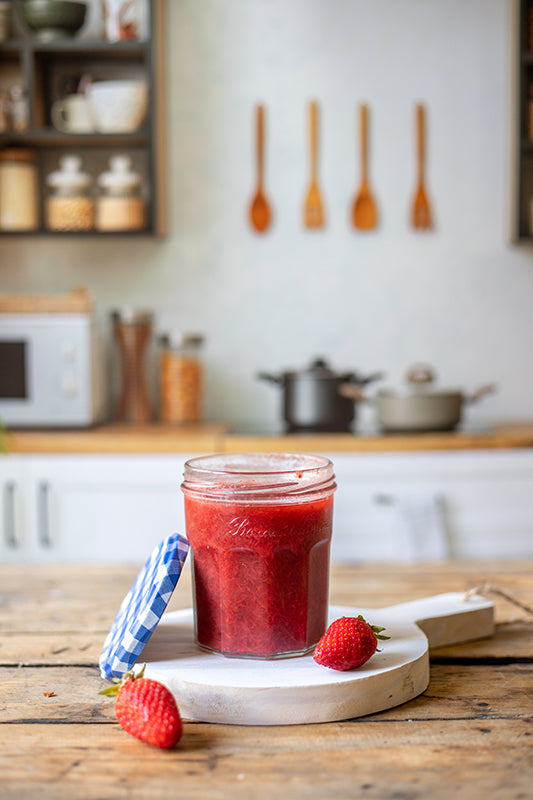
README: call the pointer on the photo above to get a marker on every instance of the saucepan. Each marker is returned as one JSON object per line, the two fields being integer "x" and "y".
{"x": 418, "y": 407}
{"x": 316, "y": 399}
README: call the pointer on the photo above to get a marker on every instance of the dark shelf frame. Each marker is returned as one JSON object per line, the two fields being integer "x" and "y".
{"x": 30, "y": 53}
{"x": 523, "y": 144}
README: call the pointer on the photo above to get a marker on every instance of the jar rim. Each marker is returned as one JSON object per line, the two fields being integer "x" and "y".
{"x": 232, "y": 476}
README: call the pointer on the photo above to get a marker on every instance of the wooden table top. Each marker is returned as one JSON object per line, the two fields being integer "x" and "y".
{"x": 467, "y": 736}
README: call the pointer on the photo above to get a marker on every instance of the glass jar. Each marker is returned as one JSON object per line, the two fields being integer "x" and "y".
{"x": 69, "y": 207}
{"x": 180, "y": 378}
{"x": 19, "y": 108}
{"x": 121, "y": 206}
{"x": 19, "y": 205}
{"x": 259, "y": 526}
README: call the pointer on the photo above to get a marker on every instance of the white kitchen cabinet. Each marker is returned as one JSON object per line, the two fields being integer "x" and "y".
{"x": 14, "y": 533}
{"x": 115, "y": 508}
{"x": 91, "y": 508}
{"x": 474, "y": 503}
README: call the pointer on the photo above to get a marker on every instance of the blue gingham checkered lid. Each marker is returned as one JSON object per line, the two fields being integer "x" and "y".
{"x": 143, "y": 606}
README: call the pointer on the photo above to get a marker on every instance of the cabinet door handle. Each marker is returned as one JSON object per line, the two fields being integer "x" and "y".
{"x": 384, "y": 499}
{"x": 43, "y": 521}
{"x": 10, "y": 532}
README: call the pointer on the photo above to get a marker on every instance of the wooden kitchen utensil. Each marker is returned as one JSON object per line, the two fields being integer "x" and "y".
{"x": 313, "y": 208}
{"x": 288, "y": 691}
{"x": 421, "y": 211}
{"x": 364, "y": 211}
{"x": 260, "y": 210}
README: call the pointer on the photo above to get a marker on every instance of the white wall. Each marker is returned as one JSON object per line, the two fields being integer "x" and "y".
{"x": 460, "y": 296}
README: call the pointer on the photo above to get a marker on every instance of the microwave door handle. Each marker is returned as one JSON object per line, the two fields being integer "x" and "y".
{"x": 10, "y": 528}
{"x": 43, "y": 520}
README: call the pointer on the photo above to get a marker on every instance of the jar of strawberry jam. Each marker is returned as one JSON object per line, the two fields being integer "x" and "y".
{"x": 259, "y": 526}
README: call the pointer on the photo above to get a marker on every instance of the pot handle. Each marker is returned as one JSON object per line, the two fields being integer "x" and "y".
{"x": 352, "y": 391}
{"x": 374, "y": 376}
{"x": 266, "y": 376}
{"x": 481, "y": 391}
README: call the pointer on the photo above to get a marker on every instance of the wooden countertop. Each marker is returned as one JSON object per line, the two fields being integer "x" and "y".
{"x": 204, "y": 438}
{"x": 216, "y": 437}
{"x": 465, "y": 737}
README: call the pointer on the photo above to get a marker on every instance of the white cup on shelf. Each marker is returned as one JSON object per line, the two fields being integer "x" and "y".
{"x": 73, "y": 114}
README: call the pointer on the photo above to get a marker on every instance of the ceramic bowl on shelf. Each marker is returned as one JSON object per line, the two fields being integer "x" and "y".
{"x": 118, "y": 106}
{"x": 49, "y": 20}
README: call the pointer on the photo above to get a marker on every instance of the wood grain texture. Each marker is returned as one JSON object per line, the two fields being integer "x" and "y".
{"x": 468, "y": 736}
{"x": 216, "y": 437}
{"x": 114, "y": 438}
{"x": 475, "y": 690}
{"x": 468, "y": 760}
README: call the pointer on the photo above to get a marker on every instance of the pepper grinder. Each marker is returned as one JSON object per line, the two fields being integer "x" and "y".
{"x": 133, "y": 332}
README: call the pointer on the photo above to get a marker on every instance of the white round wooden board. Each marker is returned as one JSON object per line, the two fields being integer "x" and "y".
{"x": 289, "y": 691}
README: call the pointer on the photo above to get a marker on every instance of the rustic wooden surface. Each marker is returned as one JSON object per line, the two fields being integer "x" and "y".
{"x": 216, "y": 437}
{"x": 468, "y": 736}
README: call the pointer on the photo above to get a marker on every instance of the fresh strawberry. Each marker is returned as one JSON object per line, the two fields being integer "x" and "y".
{"x": 146, "y": 709}
{"x": 348, "y": 643}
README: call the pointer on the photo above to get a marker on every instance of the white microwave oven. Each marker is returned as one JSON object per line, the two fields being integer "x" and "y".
{"x": 51, "y": 370}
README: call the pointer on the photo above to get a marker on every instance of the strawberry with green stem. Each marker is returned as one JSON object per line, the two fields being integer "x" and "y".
{"x": 348, "y": 643}
{"x": 146, "y": 709}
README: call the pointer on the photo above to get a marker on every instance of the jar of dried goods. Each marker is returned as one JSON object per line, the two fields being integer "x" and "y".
{"x": 69, "y": 206}
{"x": 19, "y": 205}
{"x": 181, "y": 378}
{"x": 121, "y": 206}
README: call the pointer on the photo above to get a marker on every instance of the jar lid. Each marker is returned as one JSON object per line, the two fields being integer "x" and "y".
{"x": 177, "y": 340}
{"x": 69, "y": 175}
{"x": 120, "y": 177}
{"x": 16, "y": 154}
{"x": 131, "y": 316}
{"x": 143, "y": 606}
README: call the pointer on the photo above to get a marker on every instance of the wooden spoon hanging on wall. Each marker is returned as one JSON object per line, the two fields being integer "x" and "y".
{"x": 421, "y": 216}
{"x": 260, "y": 210}
{"x": 364, "y": 211}
{"x": 314, "y": 207}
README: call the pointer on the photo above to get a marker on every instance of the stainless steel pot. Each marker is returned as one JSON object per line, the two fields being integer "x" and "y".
{"x": 314, "y": 399}
{"x": 418, "y": 407}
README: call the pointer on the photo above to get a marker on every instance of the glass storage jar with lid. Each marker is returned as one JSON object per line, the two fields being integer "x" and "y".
{"x": 69, "y": 206}
{"x": 180, "y": 378}
{"x": 121, "y": 206}
{"x": 19, "y": 205}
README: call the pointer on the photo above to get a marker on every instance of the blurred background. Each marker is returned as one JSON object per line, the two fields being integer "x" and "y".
{"x": 458, "y": 296}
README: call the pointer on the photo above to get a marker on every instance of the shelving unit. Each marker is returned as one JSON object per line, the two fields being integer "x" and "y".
{"x": 522, "y": 128}
{"x": 45, "y": 69}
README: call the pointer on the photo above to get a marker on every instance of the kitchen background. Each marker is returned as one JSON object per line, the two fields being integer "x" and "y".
{"x": 458, "y": 296}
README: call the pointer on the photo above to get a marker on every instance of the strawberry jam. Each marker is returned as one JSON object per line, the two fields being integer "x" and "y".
{"x": 260, "y": 528}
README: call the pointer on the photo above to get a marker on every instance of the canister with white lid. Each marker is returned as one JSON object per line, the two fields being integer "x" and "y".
{"x": 69, "y": 206}
{"x": 120, "y": 206}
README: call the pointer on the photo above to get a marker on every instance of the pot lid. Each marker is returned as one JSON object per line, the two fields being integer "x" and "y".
{"x": 319, "y": 369}
{"x": 419, "y": 380}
